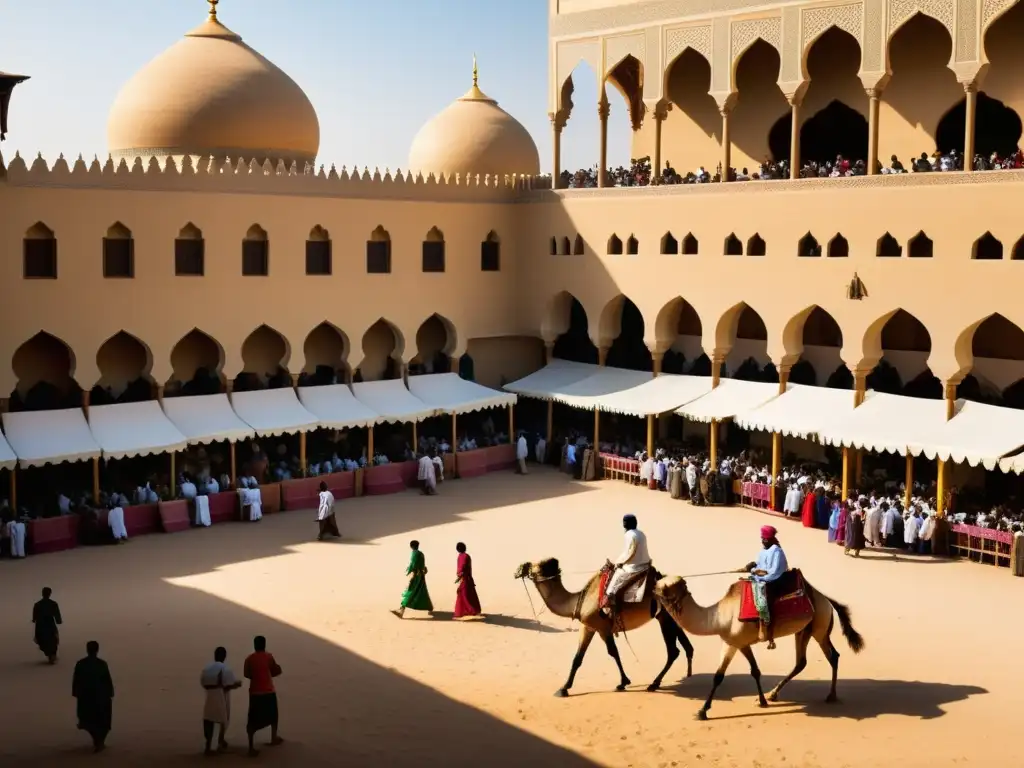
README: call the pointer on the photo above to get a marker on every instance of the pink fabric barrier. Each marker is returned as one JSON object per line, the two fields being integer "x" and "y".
{"x": 52, "y": 534}
{"x": 140, "y": 519}
{"x": 409, "y": 471}
{"x": 387, "y": 478}
{"x": 270, "y": 498}
{"x": 173, "y": 516}
{"x": 224, "y": 507}
{"x": 303, "y": 493}
{"x": 501, "y": 457}
{"x": 341, "y": 484}
{"x": 471, "y": 463}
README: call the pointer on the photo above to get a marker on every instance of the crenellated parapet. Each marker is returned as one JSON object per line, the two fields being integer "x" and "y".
{"x": 236, "y": 175}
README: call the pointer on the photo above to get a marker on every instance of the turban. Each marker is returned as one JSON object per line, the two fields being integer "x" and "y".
{"x": 768, "y": 532}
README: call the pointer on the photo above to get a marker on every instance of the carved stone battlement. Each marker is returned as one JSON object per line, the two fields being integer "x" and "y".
{"x": 228, "y": 175}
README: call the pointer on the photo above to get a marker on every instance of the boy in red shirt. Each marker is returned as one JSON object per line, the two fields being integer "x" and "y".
{"x": 261, "y": 669}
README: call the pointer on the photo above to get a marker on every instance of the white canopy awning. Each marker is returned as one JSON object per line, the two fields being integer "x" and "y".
{"x": 273, "y": 411}
{"x": 50, "y": 437}
{"x": 392, "y": 401}
{"x": 450, "y": 393}
{"x": 649, "y": 397}
{"x": 605, "y": 389}
{"x": 7, "y": 458}
{"x": 977, "y": 434}
{"x": 336, "y": 407}
{"x": 134, "y": 429}
{"x": 206, "y": 419}
{"x": 886, "y": 423}
{"x": 730, "y": 397}
{"x": 801, "y": 412}
{"x": 1013, "y": 464}
{"x": 552, "y": 378}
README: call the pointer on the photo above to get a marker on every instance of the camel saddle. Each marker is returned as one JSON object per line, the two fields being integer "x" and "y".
{"x": 635, "y": 590}
{"x": 788, "y": 597}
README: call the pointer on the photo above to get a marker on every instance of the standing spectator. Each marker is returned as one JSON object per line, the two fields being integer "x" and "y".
{"x": 46, "y": 617}
{"x": 93, "y": 689}
{"x": 218, "y": 681}
{"x": 260, "y": 670}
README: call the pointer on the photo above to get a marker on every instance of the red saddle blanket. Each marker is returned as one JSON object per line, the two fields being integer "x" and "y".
{"x": 789, "y": 602}
{"x": 633, "y": 583}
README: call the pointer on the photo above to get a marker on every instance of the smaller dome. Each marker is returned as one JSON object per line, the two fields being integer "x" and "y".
{"x": 473, "y": 135}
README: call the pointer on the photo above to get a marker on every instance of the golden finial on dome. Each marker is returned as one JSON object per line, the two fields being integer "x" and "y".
{"x": 213, "y": 9}
{"x": 476, "y": 73}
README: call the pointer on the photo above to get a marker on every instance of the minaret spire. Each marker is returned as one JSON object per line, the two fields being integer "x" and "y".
{"x": 213, "y": 9}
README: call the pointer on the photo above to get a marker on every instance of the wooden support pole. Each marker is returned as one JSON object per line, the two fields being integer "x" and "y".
{"x": 174, "y": 477}
{"x": 714, "y": 444}
{"x": 14, "y": 490}
{"x": 776, "y": 463}
{"x": 369, "y": 446}
{"x": 846, "y": 473}
{"x": 940, "y": 492}
{"x": 511, "y": 424}
{"x": 455, "y": 434}
{"x": 302, "y": 453}
{"x": 551, "y": 420}
{"x": 415, "y": 438}
{"x": 234, "y": 467}
{"x": 96, "y": 480}
{"x": 597, "y": 428}
{"x": 908, "y": 481}
{"x": 650, "y": 435}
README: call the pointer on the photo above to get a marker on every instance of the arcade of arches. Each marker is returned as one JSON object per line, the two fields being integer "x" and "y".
{"x": 921, "y": 104}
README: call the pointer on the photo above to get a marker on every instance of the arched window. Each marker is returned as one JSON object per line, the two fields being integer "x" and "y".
{"x": 190, "y": 252}
{"x": 690, "y": 245}
{"x": 40, "y": 253}
{"x": 255, "y": 252}
{"x": 490, "y": 253}
{"x": 632, "y": 246}
{"x": 756, "y": 246}
{"x": 987, "y": 247}
{"x": 318, "y": 252}
{"x": 433, "y": 251}
{"x": 577, "y": 247}
{"x": 838, "y": 247}
{"x": 378, "y": 252}
{"x": 566, "y": 247}
{"x": 669, "y": 245}
{"x": 888, "y": 247}
{"x": 733, "y": 246}
{"x": 614, "y": 246}
{"x": 554, "y": 246}
{"x": 808, "y": 246}
{"x": 118, "y": 252}
{"x": 920, "y": 246}
{"x": 1018, "y": 250}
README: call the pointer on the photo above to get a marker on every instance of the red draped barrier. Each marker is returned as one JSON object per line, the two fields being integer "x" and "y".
{"x": 270, "y": 498}
{"x": 410, "y": 471}
{"x": 386, "y": 478}
{"x": 619, "y": 468}
{"x": 173, "y": 516}
{"x": 341, "y": 484}
{"x": 471, "y": 463}
{"x": 140, "y": 519}
{"x": 224, "y": 507}
{"x": 501, "y": 457}
{"x": 756, "y": 495}
{"x": 983, "y": 545}
{"x": 52, "y": 534}
{"x": 303, "y": 493}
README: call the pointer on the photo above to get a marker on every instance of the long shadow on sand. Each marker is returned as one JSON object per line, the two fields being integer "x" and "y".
{"x": 501, "y": 620}
{"x": 858, "y": 699}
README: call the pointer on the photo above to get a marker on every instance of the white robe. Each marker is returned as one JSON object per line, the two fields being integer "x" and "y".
{"x": 217, "y": 708}
{"x": 115, "y": 519}
{"x": 438, "y": 469}
{"x": 16, "y": 531}
{"x": 522, "y": 451}
{"x": 426, "y": 472}
{"x": 252, "y": 498}
{"x": 630, "y": 563}
{"x": 910, "y": 529}
{"x": 202, "y": 511}
{"x": 540, "y": 450}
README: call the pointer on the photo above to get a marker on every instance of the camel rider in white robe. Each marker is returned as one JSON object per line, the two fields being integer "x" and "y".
{"x": 634, "y": 560}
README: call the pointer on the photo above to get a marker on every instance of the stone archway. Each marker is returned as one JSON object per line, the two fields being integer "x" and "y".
{"x": 566, "y": 322}
{"x": 383, "y": 347}
{"x": 197, "y": 362}
{"x": 435, "y": 342}
{"x": 124, "y": 364}
{"x": 326, "y": 353}
{"x": 265, "y": 355}
{"x": 44, "y": 367}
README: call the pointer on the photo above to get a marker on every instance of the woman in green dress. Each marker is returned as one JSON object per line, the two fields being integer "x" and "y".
{"x": 416, "y": 595}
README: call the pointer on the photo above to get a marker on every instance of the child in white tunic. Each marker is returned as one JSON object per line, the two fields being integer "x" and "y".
{"x": 218, "y": 681}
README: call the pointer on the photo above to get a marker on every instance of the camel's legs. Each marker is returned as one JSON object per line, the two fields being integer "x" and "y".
{"x": 685, "y": 642}
{"x": 613, "y": 651}
{"x": 803, "y": 637}
{"x": 586, "y": 635}
{"x": 755, "y": 672}
{"x": 728, "y": 652}
{"x": 833, "y": 659}
{"x": 668, "y": 634}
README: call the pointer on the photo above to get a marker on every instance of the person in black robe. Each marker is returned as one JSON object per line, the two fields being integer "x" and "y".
{"x": 46, "y": 617}
{"x": 93, "y": 688}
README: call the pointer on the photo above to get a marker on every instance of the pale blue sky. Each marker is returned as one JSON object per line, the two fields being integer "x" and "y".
{"x": 375, "y": 70}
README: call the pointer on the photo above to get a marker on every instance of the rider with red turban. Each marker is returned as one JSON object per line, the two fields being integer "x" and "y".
{"x": 770, "y": 565}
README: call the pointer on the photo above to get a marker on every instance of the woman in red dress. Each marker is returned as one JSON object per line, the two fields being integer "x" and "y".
{"x": 466, "y": 601}
{"x": 808, "y": 510}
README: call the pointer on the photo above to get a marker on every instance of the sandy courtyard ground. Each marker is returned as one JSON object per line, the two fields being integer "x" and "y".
{"x": 938, "y": 683}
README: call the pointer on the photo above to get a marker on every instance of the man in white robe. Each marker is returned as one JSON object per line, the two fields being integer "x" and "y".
{"x": 541, "y": 450}
{"x": 633, "y": 561}
{"x": 325, "y": 514}
{"x": 218, "y": 681}
{"x": 794, "y": 498}
{"x": 911, "y": 529}
{"x": 438, "y": 468}
{"x": 873, "y": 525}
{"x": 188, "y": 489}
{"x": 16, "y": 532}
{"x": 426, "y": 474}
{"x": 64, "y": 503}
{"x": 115, "y": 519}
{"x": 522, "y": 451}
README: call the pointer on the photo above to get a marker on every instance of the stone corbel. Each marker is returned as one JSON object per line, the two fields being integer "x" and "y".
{"x": 874, "y": 82}
{"x": 795, "y": 92}
{"x": 725, "y": 102}
{"x": 970, "y": 74}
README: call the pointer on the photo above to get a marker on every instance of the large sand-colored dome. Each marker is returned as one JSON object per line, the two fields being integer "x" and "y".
{"x": 473, "y": 136}
{"x": 211, "y": 94}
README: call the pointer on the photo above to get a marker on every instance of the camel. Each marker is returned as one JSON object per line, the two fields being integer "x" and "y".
{"x": 722, "y": 619}
{"x": 585, "y": 606}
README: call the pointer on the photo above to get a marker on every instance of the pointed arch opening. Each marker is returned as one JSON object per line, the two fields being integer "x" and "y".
{"x": 566, "y": 247}
{"x": 997, "y": 350}
{"x": 382, "y": 352}
{"x": 39, "y": 253}
{"x": 326, "y": 353}
{"x": 197, "y": 363}
{"x": 435, "y": 341}
{"x": 749, "y": 352}
{"x": 888, "y": 247}
{"x": 997, "y": 128}
{"x": 920, "y": 246}
{"x": 378, "y": 252}
{"x": 669, "y": 245}
{"x": 1017, "y": 254}
{"x": 997, "y": 118}
{"x": 821, "y": 340}
{"x": 838, "y": 247}
{"x": 691, "y": 132}
{"x": 987, "y": 248}
{"x": 265, "y": 356}
{"x": 44, "y": 366}
{"x": 690, "y": 245}
{"x": 578, "y": 246}
{"x": 733, "y": 246}
{"x": 614, "y": 246}
{"x": 554, "y": 246}
{"x": 255, "y": 252}
{"x": 580, "y": 137}
{"x": 679, "y": 325}
{"x": 759, "y": 104}
{"x": 490, "y": 253}
{"x": 433, "y": 251}
{"x": 624, "y": 86}
{"x": 319, "y": 252}
{"x": 124, "y": 364}
{"x": 622, "y": 321}
{"x": 566, "y": 321}
{"x": 632, "y": 246}
{"x": 118, "y": 252}
{"x": 808, "y": 246}
{"x": 905, "y": 346}
{"x": 756, "y": 246}
{"x": 190, "y": 252}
